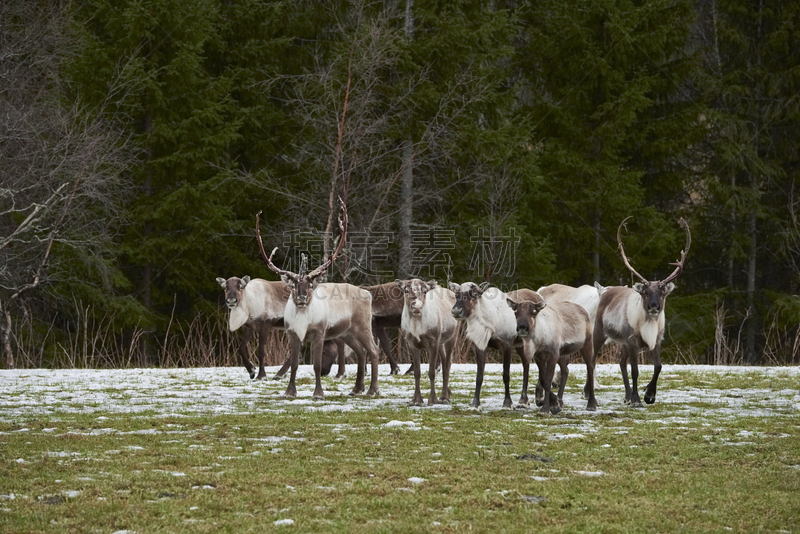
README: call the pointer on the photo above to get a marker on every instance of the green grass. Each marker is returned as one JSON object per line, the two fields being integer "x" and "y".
{"x": 663, "y": 468}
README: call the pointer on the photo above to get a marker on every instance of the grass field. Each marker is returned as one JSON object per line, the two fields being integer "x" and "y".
{"x": 207, "y": 450}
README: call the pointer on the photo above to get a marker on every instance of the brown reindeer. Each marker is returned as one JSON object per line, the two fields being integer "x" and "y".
{"x": 550, "y": 333}
{"x": 256, "y": 306}
{"x": 634, "y": 318}
{"x": 316, "y": 311}
{"x": 585, "y": 295}
{"x": 428, "y": 325}
{"x": 491, "y": 324}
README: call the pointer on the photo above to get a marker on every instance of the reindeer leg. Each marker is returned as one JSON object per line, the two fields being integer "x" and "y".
{"x": 480, "y": 358}
{"x": 262, "y": 352}
{"x": 386, "y": 345}
{"x": 563, "y": 375}
{"x": 588, "y": 389}
{"x": 636, "y": 401}
{"x": 358, "y": 388}
{"x": 507, "y": 376}
{"x": 416, "y": 400}
{"x": 372, "y": 351}
{"x": 317, "y": 342}
{"x": 623, "y": 367}
{"x": 445, "y": 353}
{"x": 294, "y": 360}
{"x": 244, "y": 339}
{"x": 342, "y": 372}
{"x": 433, "y": 363}
{"x": 539, "y": 358}
{"x": 526, "y": 369}
{"x": 551, "y": 361}
{"x": 650, "y": 392}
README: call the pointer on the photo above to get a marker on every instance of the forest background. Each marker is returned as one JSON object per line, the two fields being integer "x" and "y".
{"x": 500, "y": 141}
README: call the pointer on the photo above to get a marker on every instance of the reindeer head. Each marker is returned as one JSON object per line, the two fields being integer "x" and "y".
{"x": 467, "y": 295}
{"x": 655, "y": 293}
{"x": 233, "y": 289}
{"x": 526, "y": 312}
{"x": 414, "y": 293}
{"x": 302, "y": 284}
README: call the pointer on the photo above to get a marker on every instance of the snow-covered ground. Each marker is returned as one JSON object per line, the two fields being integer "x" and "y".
{"x": 43, "y": 392}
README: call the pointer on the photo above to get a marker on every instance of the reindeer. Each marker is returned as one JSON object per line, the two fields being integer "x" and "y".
{"x": 257, "y": 306}
{"x": 491, "y": 323}
{"x": 428, "y": 325}
{"x": 550, "y": 333}
{"x": 316, "y": 311}
{"x": 586, "y": 296}
{"x": 387, "y": 309}
{"x": 634, "y": 318}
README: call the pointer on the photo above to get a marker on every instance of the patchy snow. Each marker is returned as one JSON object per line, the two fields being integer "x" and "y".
{"x": 175, "y": 393}
{"x": 416, "y": 480}
{"x": 284, "y": 522}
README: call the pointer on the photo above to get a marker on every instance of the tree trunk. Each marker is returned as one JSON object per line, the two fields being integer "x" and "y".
{"x": 753, "y": 358}
{"x": 405, "y": 266}
{"x": 7, "y": 339}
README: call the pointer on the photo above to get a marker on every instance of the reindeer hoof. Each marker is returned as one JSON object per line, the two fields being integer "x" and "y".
{"x": 373, "y": 393}
{"x": 444, "y": 401}
{"x": 277, "y": 377}
{"x": 394, "y": 371}
{"x": 649, "y": 400}
{"x": 415, "y": 402}
{"x": 637, "y": 404}
{"x": 591, "y": 407}
{"x": 318, "y": 396}
{"x": 555, "y": 409}
{"x": 355, "y": 392}
{"x": 522, "y": 406}
{"x": 341, "y": 376}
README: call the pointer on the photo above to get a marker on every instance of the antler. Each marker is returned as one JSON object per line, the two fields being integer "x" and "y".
{"x": 268, "y": 260}
{"x": 679, "y": 265}
{"x": 342, "y": 239}
{"x": 622, "y": 251}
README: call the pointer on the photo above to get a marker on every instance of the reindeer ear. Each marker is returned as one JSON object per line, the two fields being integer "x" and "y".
{"x": 638, "y": 287}
{"x": 538, "y": 306}
{"x": 244, "y": 281}
{"x": 600, "y": 288}
{"x": 432, "y": 284}
{"x": 400, "y": 283}
{"x": 286, "y": 280}
{"x": 668, "y": 288}
{"x": 453, "y": 287}
{"x": 221, "y": 281}
{"x": 511, "y": 304}
{"x": 483, "y": 286}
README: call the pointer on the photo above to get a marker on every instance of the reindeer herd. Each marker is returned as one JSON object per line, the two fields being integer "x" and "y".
{"x": 545, "y": 326}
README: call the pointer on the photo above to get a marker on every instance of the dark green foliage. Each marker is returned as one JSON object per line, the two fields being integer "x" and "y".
{"x": 535, "y": 128}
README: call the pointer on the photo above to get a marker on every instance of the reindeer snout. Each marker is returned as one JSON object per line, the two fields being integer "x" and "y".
{"x": 458, "y": 313}
{"x": 416, "y": 308}
{"x": 232, "y": 303}
{"x": 654, "y": 309}
{"x": 523, "y": 330}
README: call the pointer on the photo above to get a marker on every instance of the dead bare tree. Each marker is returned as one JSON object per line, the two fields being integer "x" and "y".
{"x": 62, "y": 166}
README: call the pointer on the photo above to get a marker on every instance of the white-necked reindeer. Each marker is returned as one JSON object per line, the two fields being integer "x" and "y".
{"x": 491, "y": 324}
{"x": 256, "y": 306}
{"x": 634, "y": 318}
{"x": 550, "y": 333}
{"x": 428, "y": 325}
{"x": 316, "y": 311}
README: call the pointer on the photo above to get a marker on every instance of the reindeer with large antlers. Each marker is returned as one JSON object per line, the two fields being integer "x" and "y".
{"x": 634, "y": 318}
{"x": 318, "y": 311}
